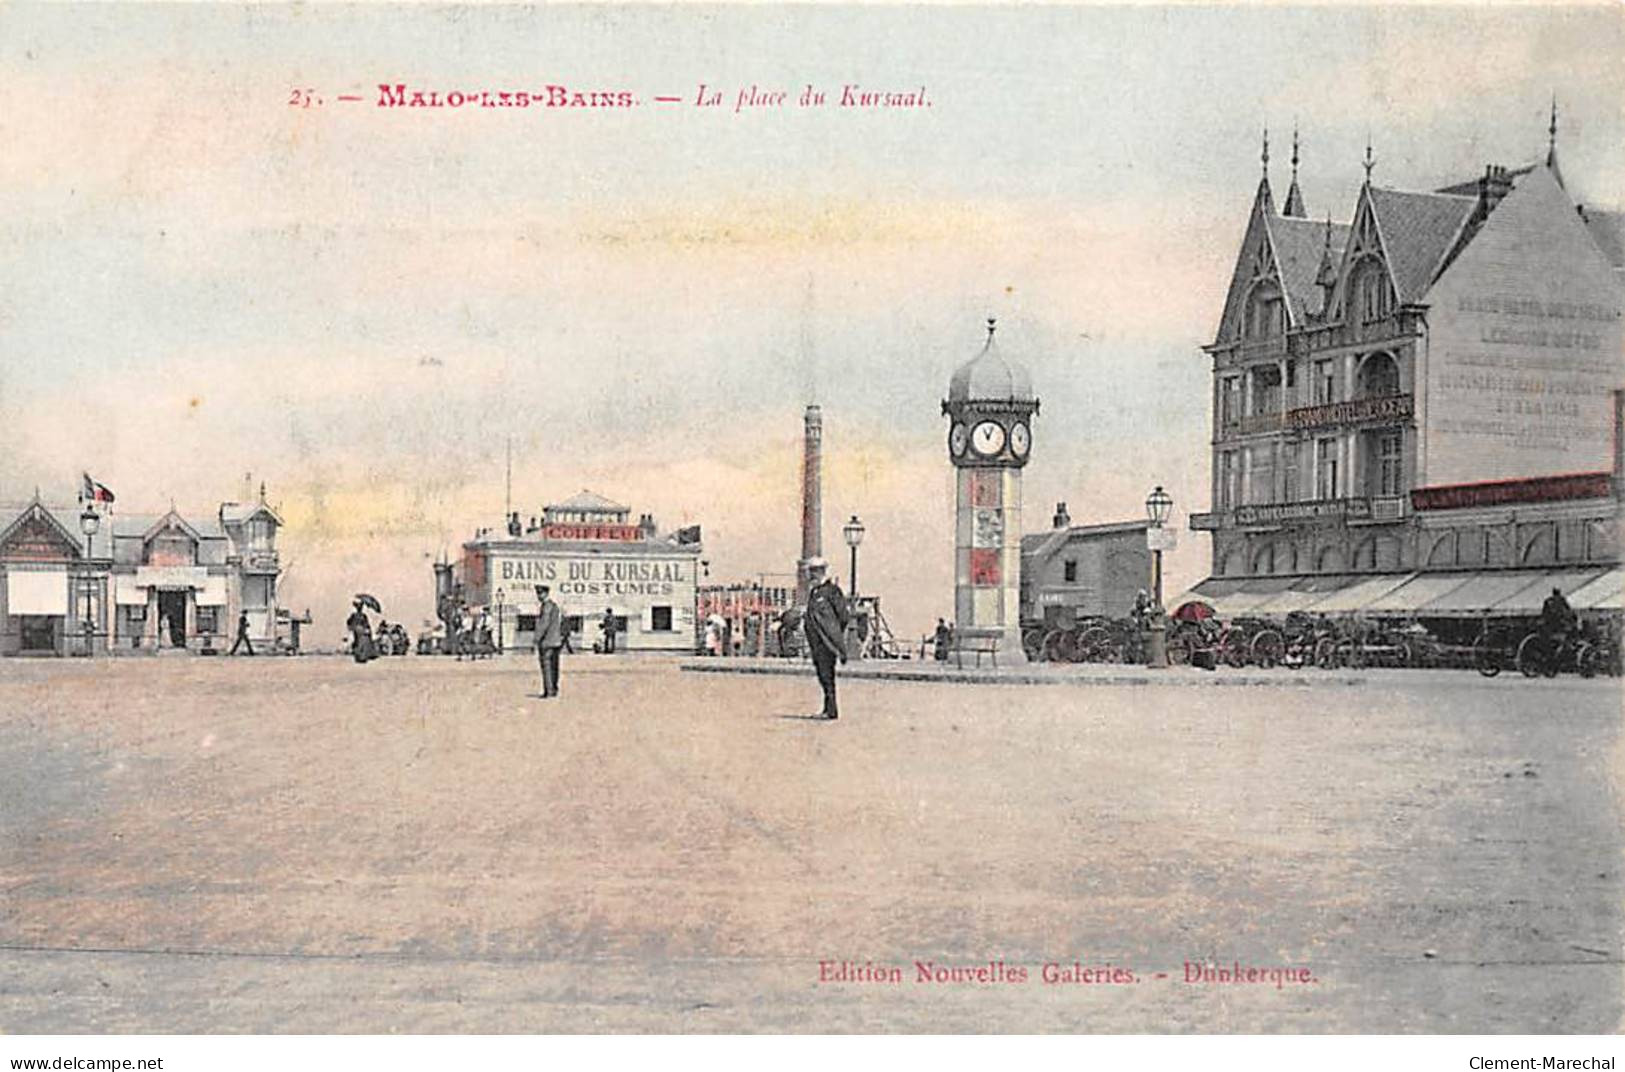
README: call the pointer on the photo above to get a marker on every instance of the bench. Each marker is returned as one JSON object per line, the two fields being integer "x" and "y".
{"x": 978, "y": 642}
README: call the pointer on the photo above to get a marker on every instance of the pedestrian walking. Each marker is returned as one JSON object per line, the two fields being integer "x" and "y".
{"x": 549, "y": 639}
{"x": 941, "y": 641}
{"x": 242, "y": 636}
{"x": 826, "y": 623}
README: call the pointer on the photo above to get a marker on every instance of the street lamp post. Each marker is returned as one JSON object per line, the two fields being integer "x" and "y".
{"x": 1157, "y": 507}
{"x": 853, "y": 531}
{"x": 89, "y": 522}
{"x": 502, "y": 597}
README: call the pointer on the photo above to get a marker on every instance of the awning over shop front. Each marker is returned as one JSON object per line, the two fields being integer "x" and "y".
{"x": 1420, "y": 589}
{"x": 37, "y": 591}
{"x": 1357, "y": 595}
{"x": 213, "y": 592}
{"x": 1605, "y": 593}
{"x": 1308, "y": 592}
{"x": 1465, "y": 593}
{"x": 1241, "y": 601}
{"x": 1480, "y": 592}
{"x": 1528, "y": 600}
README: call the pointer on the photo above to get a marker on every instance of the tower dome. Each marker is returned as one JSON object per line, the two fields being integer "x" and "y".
{"x": 990, "y": 376}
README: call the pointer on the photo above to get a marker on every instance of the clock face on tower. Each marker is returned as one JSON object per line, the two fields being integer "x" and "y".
{"x": 958, "y": 437}
{"x": 988, "y": 438}
{"x": 1021, "y": 440}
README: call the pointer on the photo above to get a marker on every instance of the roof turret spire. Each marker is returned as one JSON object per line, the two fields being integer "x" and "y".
{"x": 1551, "y": 136}
{"x": 1294, "y": 196}
{"x": 1265, "y": 198}
{"x": 1370, "y": 162}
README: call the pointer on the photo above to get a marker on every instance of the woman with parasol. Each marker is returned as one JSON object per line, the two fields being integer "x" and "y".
{"x": 361, "y": 644}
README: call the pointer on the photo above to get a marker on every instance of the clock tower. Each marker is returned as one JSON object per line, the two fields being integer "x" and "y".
{"x": 990, "y": 408}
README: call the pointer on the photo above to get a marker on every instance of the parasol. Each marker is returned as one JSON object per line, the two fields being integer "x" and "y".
{"x": 369, "y": 601}
{"x": 1193, "y": 610}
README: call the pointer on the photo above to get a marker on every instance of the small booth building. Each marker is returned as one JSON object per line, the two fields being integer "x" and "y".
{"x": 594, "y": 558}
{"x": 131, "y": 583}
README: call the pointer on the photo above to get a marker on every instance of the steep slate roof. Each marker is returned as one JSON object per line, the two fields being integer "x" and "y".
{"x": 137, "y": 526}
{"x": 55, "y": 517}
{"x": 1045, "y": 544}
{"x": 1417, "y": 231}
{"x": 234, "y": 512}
{"x": 589, "y": 500}
{"x": 1298, "y": 245}
{"x": 1608, "y": 230}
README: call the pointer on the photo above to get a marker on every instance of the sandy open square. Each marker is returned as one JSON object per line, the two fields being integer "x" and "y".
{"x": 307, "y": 845}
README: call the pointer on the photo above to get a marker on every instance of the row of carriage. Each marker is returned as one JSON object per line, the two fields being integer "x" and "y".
{"x": 1196, "y": 635}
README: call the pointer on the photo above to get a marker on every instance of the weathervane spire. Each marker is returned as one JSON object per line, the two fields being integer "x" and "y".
{"x": 1551, "y": 135}
{"x": 1266, "y": 154}
{"x": 1369, "y": 161}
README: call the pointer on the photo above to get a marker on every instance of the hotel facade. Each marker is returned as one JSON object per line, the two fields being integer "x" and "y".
{"x": 1418, "y": 410}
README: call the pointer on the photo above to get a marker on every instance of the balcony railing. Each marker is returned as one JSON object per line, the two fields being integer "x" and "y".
{"x": 1359, "y": 411}
{"x": 1260, "y": 422}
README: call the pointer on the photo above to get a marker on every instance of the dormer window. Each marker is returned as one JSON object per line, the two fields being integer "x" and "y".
{"x": 1372, "y": 295}
{"x": 1265, "y": 314}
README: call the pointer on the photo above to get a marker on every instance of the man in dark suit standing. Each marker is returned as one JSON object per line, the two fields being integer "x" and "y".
{"x": 826, "y": 622}
{"x": 549, "y": 639}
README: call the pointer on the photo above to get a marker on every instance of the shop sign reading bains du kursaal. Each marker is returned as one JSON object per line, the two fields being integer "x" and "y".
{"x": 582, "y": 576}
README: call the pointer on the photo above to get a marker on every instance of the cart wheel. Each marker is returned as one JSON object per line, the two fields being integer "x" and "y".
{"x": 1032, "y": 644}
{"x": 1486, "y": 657}
{"x": 1094, "y": 646}
{"x": 1233, "y": 648}
{"x": 1586, "y": 659}
{"x": 1267, "y": 649}
{"x": 1062, "y": 646}
{"x": 1326, "y": 653}
{"x": 1529, "y": 654}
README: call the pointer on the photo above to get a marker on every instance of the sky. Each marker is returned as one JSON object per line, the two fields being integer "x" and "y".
{"x": 205, "y": 284}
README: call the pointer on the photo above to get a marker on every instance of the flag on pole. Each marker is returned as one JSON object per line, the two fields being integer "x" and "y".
{"x": 94, "y": 492}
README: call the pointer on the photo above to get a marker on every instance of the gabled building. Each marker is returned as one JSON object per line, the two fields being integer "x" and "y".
{"x": 1431, "y": 386}
{"x": 76, "y": 580}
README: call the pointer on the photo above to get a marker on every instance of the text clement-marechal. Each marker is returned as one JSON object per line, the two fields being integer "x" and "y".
{"x": 858, "y": 97}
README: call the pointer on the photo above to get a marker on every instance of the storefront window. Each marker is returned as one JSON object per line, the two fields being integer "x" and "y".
{"x": 208, "y": 619}
{"x": 660, "y": 619}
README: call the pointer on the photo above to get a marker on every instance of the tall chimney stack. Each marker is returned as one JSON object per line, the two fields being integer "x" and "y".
{"x": 812, "y": 498}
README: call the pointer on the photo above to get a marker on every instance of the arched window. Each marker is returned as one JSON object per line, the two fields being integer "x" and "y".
{"x": 1378, "y": 376}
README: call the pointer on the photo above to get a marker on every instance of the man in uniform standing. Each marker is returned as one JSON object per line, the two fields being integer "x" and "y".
{"x": 826, "y": 622}
{"x": 549, "y": 639}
